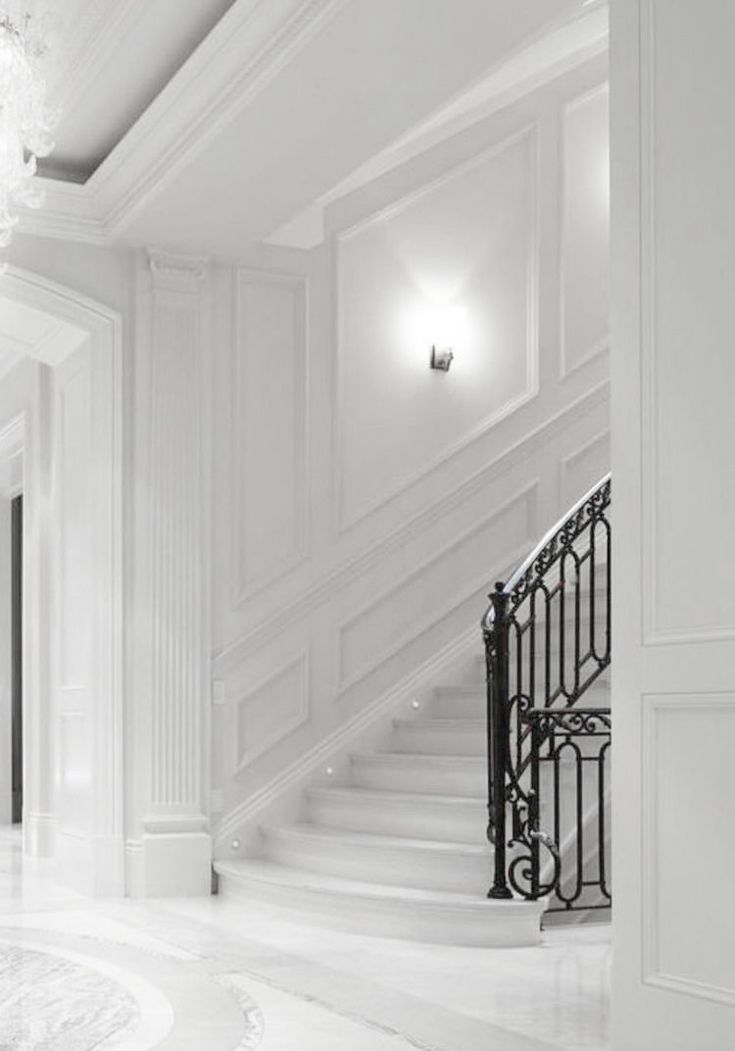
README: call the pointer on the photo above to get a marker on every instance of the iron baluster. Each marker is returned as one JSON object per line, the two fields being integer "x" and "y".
{"x": 499, "y": 723}
{"x": 549, "y": 585}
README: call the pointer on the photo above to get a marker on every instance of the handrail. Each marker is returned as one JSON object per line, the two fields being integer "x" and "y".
{"x": 547, "y": 539}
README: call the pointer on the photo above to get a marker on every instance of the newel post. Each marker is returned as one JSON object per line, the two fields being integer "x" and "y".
{"x": 496, "y": 651}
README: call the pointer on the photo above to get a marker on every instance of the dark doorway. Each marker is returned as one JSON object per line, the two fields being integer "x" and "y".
{"x": 16, "y": 645}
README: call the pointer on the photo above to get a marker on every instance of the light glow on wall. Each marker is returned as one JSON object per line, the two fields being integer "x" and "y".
{"x": 435, "y": 324}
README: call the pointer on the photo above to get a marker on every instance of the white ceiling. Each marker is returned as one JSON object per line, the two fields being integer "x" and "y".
{"x": 283, "y": 103}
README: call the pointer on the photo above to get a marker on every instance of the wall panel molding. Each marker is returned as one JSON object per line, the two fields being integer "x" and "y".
{"x": 602, "y": 345}
{"x": 304, "y": 605}
{"x": 256, "y": 564}
{"x": 294, "y": 674}
{"x": 653, "y": 634}
{"x": 304, "y": 767}
{"x": 597, "y": 447}
{"x": 344, "y": 523}
{"x": 346, "y": 678}
{"x": 660, "y": 713}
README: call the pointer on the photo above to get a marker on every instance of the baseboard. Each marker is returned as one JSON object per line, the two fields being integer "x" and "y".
{"x": 39, "y": 835}
{"x": 169, "y": 865}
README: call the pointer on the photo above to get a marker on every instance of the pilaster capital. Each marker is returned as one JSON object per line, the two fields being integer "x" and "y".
{"x": 178, "y": 273}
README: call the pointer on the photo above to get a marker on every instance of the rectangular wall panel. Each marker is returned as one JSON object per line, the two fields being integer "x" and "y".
{"x": 387, "y": 624}
{"x": 270, "y": 450}
{"x": 583, "y": 469}
{"x": 585, "y": 257}
{"x": 453, "y": 263}
{"x": 73, "y": 475}
{"x": 689, "y": 850}
{"x": 272, "y": 710}
{"x": 688, "y": 376}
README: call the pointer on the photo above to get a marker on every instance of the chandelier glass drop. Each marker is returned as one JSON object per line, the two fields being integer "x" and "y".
{"x": 25, "y": 120}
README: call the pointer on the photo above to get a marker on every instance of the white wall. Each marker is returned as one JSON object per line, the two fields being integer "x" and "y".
{"x": 363, "y": 504}
{"x": 674, "y": 601}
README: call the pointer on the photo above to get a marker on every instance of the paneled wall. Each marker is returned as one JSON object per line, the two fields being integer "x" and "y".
{"x": 674, "y": 432}
{"x": 362, "y": 503}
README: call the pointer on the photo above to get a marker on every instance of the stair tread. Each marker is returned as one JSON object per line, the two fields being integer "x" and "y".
{"x": 356, "y": 792}
{"x": 266, "y": 871}
{"x": 439, "y": 723}
{"x": 313, "y": 831}
{"x": 419, "y": 758}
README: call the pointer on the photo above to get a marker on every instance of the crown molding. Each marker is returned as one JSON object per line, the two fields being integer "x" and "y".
{"x": 249, "y": 46}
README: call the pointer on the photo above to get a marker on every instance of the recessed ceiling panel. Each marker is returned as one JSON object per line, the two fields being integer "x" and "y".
{"x": 111, "y": 58}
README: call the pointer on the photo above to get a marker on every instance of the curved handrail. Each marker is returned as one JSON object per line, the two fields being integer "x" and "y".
{"x": 547, "y": 541}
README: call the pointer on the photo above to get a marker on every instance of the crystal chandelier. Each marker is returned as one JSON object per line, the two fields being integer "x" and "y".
{"x": 25, "y": 120}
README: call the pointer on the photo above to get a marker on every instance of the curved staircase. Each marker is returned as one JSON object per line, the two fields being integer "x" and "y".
{"x": 399, "y": 846}
{"x": 400, "y": 849}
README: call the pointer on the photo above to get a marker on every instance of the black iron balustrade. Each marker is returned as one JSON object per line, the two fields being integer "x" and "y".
{"x": 547, "y": 639}
{"x": 572, "y": 745}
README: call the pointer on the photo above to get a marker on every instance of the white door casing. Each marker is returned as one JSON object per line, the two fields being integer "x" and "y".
{"x": 73, "y": 696}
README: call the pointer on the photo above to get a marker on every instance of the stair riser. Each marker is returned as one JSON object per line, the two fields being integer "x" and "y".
{"x": 478, "y": 678}
{"x": 488, "y": 927}
{"x": 438, "y": 780}
{"x": 463, "y": 823}
{"x": 459, "y": 705}
{"x": 428, "y": 740}
{"x": 392, "y": 867}
{"x": 448, "y": 704}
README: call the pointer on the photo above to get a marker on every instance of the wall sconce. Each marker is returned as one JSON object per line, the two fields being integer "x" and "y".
{"x": 441, "y": 358}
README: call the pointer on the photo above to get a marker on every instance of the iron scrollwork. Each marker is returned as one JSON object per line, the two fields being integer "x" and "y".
{"x": 547, "y": 640}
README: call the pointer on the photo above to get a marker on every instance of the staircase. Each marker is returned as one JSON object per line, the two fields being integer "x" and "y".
{"x": 399, "y": 846}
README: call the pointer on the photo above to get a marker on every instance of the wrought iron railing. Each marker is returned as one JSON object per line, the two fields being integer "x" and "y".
{"x": 547, "y": 640}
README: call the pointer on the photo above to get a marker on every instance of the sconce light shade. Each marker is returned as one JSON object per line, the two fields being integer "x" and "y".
{"x": 441, "y": 358}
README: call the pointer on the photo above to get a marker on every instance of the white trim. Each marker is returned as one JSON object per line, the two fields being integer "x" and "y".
{"x": 105, "y": 329}
{"x": 244, "y": 586}
{"x": 301, "y": 770}
{"x": 243, "y": 759}
{"x": 653, "y": 704}
{"x": 527, "y": 496}
{"x": 528, "y": 136}
{"x": 601, "y": 345}
{"x": 304, "y": 605}
{"x": 540, "y": 62}
{"x": 247, "y": 48}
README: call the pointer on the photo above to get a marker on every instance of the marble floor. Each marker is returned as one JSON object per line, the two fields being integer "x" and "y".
{"x": 209, "y": 975}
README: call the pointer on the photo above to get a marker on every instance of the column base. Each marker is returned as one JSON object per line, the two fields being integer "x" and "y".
{"x": 171, "y": 865}
{"x": 39, "y": 835}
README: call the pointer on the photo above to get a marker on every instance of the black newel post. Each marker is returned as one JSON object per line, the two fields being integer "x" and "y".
{"x": 496, "y": 643}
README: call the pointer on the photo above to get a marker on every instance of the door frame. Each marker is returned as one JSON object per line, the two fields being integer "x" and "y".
{"x": 102, "y": 327}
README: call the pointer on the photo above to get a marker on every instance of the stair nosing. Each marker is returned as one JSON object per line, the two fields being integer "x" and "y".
{"x": 320, "y": 883}
{"x": 404, "y": 757}
{"x": 394, "y": 794}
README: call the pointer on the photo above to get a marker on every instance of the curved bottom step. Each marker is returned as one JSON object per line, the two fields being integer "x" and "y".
{"x": 370, "y": 908}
